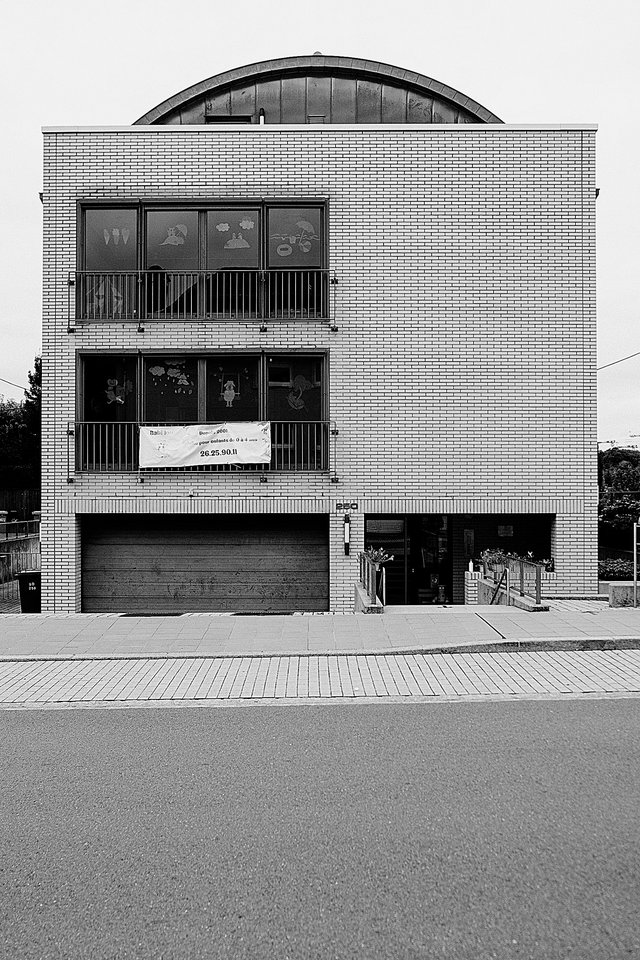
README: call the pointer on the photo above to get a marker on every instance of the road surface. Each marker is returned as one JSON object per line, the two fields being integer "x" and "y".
{"x": 465, "y": 830}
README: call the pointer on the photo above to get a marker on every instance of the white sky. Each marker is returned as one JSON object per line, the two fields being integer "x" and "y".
{"x": 80, "y": 62}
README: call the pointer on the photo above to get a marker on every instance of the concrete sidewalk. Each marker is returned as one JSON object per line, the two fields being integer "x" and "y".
{"x": 77, "y": 636}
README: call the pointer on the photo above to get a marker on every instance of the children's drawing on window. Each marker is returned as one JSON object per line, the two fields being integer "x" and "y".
{"x": 172, "y": 376}
{"x": 106, "y": 296}
{"x": 302, "y": 238}
{"x": 116, "y": 392}
{"x": 295, "y": 396}
{"x": 229, "y": 392}
{"x": 237, "y": 243}
{"x": 175, "y": 235}
{"x": 231, "y": 384}
{"x": 116, "y": 234}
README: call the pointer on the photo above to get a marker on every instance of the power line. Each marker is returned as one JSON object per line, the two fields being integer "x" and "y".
{"x": 18, "y": 385}
{"x": 613, "y": 362}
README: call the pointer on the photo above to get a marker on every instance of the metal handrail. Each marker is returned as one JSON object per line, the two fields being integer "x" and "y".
{"x": 221, "y": 294}
{"x": 504, "y": 579}
{"x": 108, "y": 447}
{"x": 521, "y": 567}
{"x": 369, "y": 570}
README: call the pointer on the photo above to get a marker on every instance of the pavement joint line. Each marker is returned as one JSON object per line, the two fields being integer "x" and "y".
{"x": 490, "y": 625}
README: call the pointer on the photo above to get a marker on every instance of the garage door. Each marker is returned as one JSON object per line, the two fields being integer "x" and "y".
{"x": 172, "y": 564}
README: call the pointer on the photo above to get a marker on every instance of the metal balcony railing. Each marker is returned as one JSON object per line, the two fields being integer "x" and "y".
{"x": 296, "y": 446}
{"x": 19, "y": 529}
{"x": 201, "y": 295}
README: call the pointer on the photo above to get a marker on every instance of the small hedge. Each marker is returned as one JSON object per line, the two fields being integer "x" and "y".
{"x": 615, "y": 570}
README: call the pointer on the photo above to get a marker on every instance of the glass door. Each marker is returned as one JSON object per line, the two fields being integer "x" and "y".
{"x": 389, "y": 532}
{"x": 421, "y": 571}
{"x": 429, "y": 570}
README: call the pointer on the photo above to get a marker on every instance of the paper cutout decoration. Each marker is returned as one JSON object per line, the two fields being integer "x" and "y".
{"x": 175, "y": 377}
{"x": 116, "y": 392}
{"x": 115, "y": 234}
{"x": 229, "y": 393}
{"x": 236, "y": 243}
{"x": 175, "y": 239}
{"x": 302, "y": 239}
{"x": 294, "y": 397}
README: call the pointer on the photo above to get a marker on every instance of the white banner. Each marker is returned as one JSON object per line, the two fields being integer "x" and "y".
{"x": 202, "y": 443}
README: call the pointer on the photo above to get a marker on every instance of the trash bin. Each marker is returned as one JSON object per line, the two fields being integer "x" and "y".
{"x": 30, "y": 590}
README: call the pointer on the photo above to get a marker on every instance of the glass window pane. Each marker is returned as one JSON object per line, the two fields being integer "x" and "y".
{"x": 232, "y": 388}
{"x": 171, "y": 390}
{"x": 295, "y": 238}
{"x": 109, "y": 390}
{"x": 110, "y": 240}
{"x": 294, "y": 387}
{"x": 172, "y": 240}
{"x": 233, "y": 239}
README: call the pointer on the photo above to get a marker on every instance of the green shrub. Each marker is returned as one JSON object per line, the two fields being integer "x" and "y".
{"x": 615, "y": 569}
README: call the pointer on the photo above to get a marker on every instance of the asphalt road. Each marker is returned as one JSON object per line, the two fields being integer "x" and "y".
{"x": 476, "y": 830}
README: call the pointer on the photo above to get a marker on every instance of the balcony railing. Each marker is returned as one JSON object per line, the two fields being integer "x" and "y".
{"x": 19, "y": 529}
{"x": 199, "y": 295}
{"x": 296, "y": 446}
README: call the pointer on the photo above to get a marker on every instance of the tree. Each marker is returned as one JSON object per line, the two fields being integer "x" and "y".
{"x": 20, "y": 435}
{"x": 32, "y": 405}
{"x": 619, "y": 509}
{"x": 619, "y": 467}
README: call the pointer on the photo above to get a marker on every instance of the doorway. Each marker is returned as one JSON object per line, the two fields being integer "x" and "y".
{"x": 421, "y": 571}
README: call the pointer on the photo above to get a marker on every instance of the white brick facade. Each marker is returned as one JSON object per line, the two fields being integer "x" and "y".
{"x": 462, "y": 372}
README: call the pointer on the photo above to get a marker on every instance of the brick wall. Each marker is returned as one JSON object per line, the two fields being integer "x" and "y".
{"x": 462, "y": 375}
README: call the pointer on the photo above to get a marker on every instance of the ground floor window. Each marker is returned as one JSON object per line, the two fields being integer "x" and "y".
{"x": 432, "y": 551}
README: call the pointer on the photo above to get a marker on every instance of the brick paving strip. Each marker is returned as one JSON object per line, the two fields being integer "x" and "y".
{"x": 318, "y": 678}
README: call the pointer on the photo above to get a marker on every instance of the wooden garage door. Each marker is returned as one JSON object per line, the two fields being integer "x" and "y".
{"x": 171, "y": 564}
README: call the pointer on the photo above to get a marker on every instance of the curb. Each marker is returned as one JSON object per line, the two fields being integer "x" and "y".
{"x": 543, "y": 644}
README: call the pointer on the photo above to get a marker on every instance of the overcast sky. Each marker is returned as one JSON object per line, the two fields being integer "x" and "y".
{"x": 78, "y": 62}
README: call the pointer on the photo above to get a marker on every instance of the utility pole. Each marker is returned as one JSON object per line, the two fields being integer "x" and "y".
{"x": 635, "y": 562}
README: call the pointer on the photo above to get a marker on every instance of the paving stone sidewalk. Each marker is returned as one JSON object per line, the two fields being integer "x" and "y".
{"x": 402, "y": 628}
{"x": 101, "y": 659}
{"x": 361, "y": 677}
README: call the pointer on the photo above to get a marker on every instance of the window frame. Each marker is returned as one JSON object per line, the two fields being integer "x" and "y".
{"x": 203, "y": 357}
{"x": 143, "y": 206}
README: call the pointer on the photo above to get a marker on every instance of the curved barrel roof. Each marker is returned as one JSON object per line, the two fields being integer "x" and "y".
{"x": 319, "y": 89}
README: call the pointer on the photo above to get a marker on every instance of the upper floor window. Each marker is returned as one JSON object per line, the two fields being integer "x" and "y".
{"x": 186, "y": 388}
{"x": 110, "y": 239}
{"x": 234, "y": 238}
{"x": 295, "y": 237}
{"x": 118, "y": 392}
{"x": 171, "y": 240}
{"x": 264, "y": 260}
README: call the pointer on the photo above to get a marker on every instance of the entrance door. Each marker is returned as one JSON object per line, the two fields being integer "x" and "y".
{"x": 421, "y": 571}
{"x": 429, "y": 570}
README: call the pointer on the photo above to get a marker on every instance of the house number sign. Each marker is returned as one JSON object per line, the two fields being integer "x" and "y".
{"x": 346, "y": 506}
